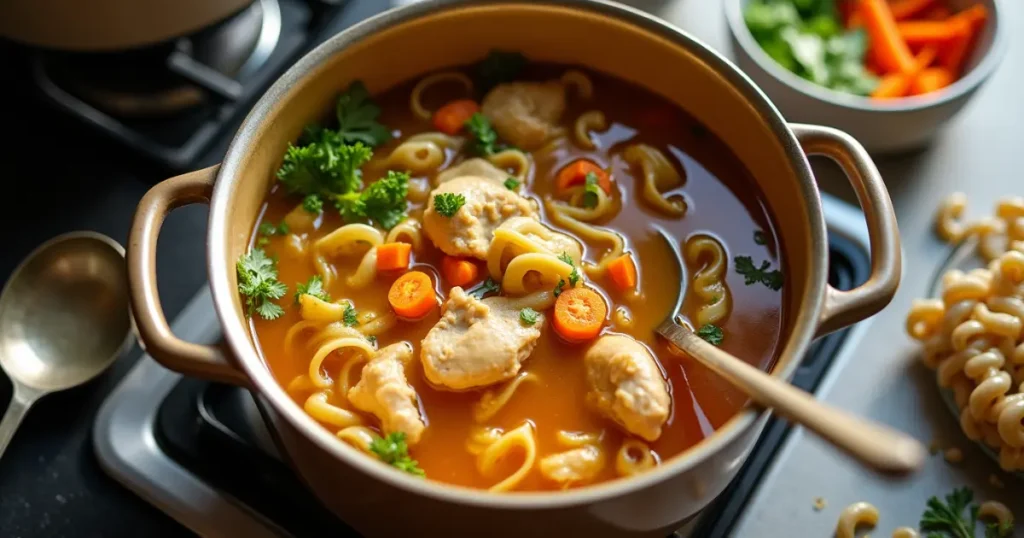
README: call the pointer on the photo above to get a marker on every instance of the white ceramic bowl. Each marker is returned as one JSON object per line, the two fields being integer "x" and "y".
{"x": 882, "y": 127}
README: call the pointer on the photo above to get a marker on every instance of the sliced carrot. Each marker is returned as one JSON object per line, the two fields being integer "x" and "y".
{"x": 450, "y": 118}
{"x": 937, "y": 13}
{"x": 622, "y": 270}
{"x": 897, "y": 85}
{"x": 459, "y": 271}
{"x": 930, "y": 32}
{"x": 954, "y": 54}
{"x": 931, "y": 79}
{"x": 575, "y": 173}
{"x": 412, "y": 296}
{"x": 891, "y": 51}
{"x": 392, "y": 256}
{"x": 907, "y": 9}
{"x": 579, "y": 314}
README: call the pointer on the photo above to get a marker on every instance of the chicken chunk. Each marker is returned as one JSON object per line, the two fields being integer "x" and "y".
{"x": 474, "y": 167}
{"x": 573, "y": 466}
{"x": 383, "y": 391}
{"x": 554, "y": 242}
{"x": 525, "y": 113}
{"x": 626, "y": 385}
{"x": 469, "y": 231}
{"x": 476, "y": 342}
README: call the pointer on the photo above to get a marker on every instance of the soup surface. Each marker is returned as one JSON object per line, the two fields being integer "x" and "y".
{"x": 540, "y": 189}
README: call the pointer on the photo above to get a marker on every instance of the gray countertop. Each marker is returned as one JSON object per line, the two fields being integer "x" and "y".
{"x": 980, "y": 153}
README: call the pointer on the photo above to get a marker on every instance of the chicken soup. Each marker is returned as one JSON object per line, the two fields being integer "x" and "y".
{"x": 461, "y": 276}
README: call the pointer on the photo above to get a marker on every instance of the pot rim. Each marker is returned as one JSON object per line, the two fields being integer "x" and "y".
{"x": 237, "y": 334}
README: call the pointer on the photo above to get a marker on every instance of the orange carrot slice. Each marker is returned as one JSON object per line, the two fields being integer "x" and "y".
{"x": 622, "y": 271}
{"x": 931, "y": 79}
{"x": 392, "y": 256}
{"x": 954, "y": 54}
{"x": 575, "y": 173}
{"x": 412, "y": 296}
{"x": 891, "y": 52}
{"x": 930, "y": 32}
{"x": 579, "y": 314}
{"x": 459, "y": 271}
{"x": 450, "y": 118}
{"x": 897, "y": 85}
{"x": 908, "y": 9}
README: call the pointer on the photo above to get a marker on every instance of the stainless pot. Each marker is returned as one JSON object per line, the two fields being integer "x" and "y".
{"x": 408, "y": 42}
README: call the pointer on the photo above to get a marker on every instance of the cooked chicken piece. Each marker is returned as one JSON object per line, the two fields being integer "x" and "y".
{"x": 573, "y": 466}
{"x": 384, "y": 391}
{"x": 477, "y": 343}
{"x": 474, "y": 167}
{"x": 555, "y": 242}
{"x": 469, "y": 231}
{"x": 525, "y": 113}
{"x": 626, "y": 385}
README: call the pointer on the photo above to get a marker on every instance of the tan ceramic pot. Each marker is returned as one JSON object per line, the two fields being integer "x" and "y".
{"x": 406, "y": 43}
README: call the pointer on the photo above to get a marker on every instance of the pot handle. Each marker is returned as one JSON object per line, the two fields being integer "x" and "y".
{"x": 195, "y": 360}
{"x": 843, "y": 308}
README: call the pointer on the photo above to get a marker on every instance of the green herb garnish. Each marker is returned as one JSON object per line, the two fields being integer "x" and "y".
{"x": 357, "y": 117}
{"x": 383, "y": 201}
{"x": 394, "y": 451}
{"x": 559, "y": 287}
{"x": 498, "y": 67}
{"x": 484, "y": 141}
{"x": 313, "y": 204}
{"x": 486, "y": 287}
{"x": 350, "y": 317}
{"x": 257, "y": 281}
{"x": 372, "y": 339}
{"x": 711, "y": 333}
{"x": 591, "y": 190}
{"x": 949, "y": 520}
{"x": 528, "y": 316}
{"x": 760, "y": 238}
{"x": 325, "y": 167}
{"x": 448, "y": 203}
{"x": 512, "y": 183}
{"x": 314, "y": 287}
{"x": 753, "y": 274}
{"x": 574, "y": 276}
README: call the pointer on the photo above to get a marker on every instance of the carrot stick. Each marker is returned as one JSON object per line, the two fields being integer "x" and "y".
{"x": 906, "y": 9}
{"x": 954, "y": 54}
{"x": 898, "y": 85}
{"x": 937, "y": 13}
{"x": 450, "y": 118}
{"x": 392, "y": 256}
{"x": 579, "y": 314}
{"x": 622, "y": 271}
{"x": 459, "y": 271}
{"x": 892, "y": 52}
{"x": 930, "y": 32}
{"x": 930, "y": 80}
{"x": 412, "y": 296}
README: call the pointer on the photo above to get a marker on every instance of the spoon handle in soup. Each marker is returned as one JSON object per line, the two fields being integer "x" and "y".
{"x": 21, "y": 402}
{"x": 881, "y": 447}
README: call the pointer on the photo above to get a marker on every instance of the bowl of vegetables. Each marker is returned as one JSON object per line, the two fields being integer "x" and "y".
{"x": 889, "y": 72}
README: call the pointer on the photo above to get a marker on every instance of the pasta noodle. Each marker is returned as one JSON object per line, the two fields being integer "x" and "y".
{"x": 634, "y": 457}
{"x": 366, "y": 271}
{"x": 592, "y": 120}
{"x": 853, "y": 516}
{"x": 357, "y": 436}
{"x": 659, "y": 176}
{"x": 580, "y": 81}
{"x": 997, "y": 511}
{"x": 316, "y": 310}
{"x": 589, "y": 233}
{"x": 492, "y": 401}
{"x": 521, "y": 438}
{"x": 905, "y": 532}
{"x": 346, "y": 240}
{"x": 709, "y": 278}
{"x": 516, "y": 162}
{"x": 995, "y": 235}
{"x": 343, "y": 382}
{"x": 408, "y": 231}
{"x": 357, "y": 343}
{"x": 526, "y": 236}
{"x": 603, "y": 209}
{"x": 548, "y": 266}
{"x": 416, "y": 97}
{"x": 482, "y": 437}
{"x": 318, "y": 407}
{"x": 299, "y": 220}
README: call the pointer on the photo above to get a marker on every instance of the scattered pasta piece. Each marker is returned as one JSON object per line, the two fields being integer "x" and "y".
{"x": 953, "y": 455}
{"x": 905, "y": 532}
{"x": 819, "y": 504}
{"x": 858, "y": 514}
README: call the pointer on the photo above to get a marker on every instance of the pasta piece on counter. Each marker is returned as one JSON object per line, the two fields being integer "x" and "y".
{"x": 858, "y": 514}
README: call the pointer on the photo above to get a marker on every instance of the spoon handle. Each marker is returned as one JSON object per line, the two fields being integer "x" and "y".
{"x": 879, "y": 446}
{"x": 21, "y": 402}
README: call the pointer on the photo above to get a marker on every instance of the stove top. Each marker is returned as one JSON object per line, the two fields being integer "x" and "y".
{"x": 200, "y": 452}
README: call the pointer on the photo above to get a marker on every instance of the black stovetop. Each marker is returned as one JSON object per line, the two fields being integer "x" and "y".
{"x": 60, "y": 175}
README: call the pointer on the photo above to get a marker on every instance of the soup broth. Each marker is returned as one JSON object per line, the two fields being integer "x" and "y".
{"x": 712, "y": 196}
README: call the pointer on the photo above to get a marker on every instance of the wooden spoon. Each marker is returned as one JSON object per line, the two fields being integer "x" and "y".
{"x": 877, "y": 446}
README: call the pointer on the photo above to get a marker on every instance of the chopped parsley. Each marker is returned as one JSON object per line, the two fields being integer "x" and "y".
{"x": 512, "y": 184}
{"x": 313, "y": 287}
{"x": 393, "y": 451}
{"x": 711, "y": 333}
{"x": 351, "y": 317}
{"x": 759, "y": 238}
{"x": 325, "y": 167}
{"x": 486, "y": 287}
{"x": 313, "y": 204}
{"x": 383, "y": 201}
{"x": 591, "y": 191}
{"x": 948, "y": 519}
{"x": 257, "y": 281}
{"x": 483, "y": 141}
{"x": 357, "y": 117}
{"x": 499, "y": 66}
{"x": 753, "y": 274}
{"x": 558, "y": 287}
{"x": 448, "y": 203}
{"x": 574, "y": 276}
{"x": 268, "y": 229}
{"x": 372, "y": 339}
{"x": 528, "y": 316}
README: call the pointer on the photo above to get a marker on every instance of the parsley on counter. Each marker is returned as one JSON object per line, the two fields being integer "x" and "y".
{"x": 759, "y": 238}
{"x": 257, "y": 281}
{"x": 949, "y": 520}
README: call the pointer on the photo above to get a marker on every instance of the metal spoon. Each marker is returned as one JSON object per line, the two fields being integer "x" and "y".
{"x": 878, "y": 446}
{"x": 64, "y": 318}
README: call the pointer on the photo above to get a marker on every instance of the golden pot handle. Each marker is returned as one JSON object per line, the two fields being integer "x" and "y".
{"x": 203, "y": 361}
{"x": 843, "y": 308}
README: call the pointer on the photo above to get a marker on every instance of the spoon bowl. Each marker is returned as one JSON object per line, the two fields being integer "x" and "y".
{"x": 64, "y": 318}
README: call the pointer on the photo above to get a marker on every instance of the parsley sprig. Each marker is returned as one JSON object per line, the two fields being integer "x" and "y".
{"x": 394, "y": 451}
{"x": 484, "y": 140}
{"x": 485, "y": 288}
{"x": 591, "y": 195}
{"x": 711, "y": 333}
{"x": 257, "y": 281}
{"x": 314, "y": 287}
{"x": 528, "y": 316}
{"x": 949, "y": 520}
{"x": 448, "y": 203}
{"x": 499, "y": 66}
{"x": 574, "y": 276}
{"x": 753, "y": 274}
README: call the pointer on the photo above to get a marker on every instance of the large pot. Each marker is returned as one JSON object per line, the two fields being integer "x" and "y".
{"x": 408, "y": 42}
